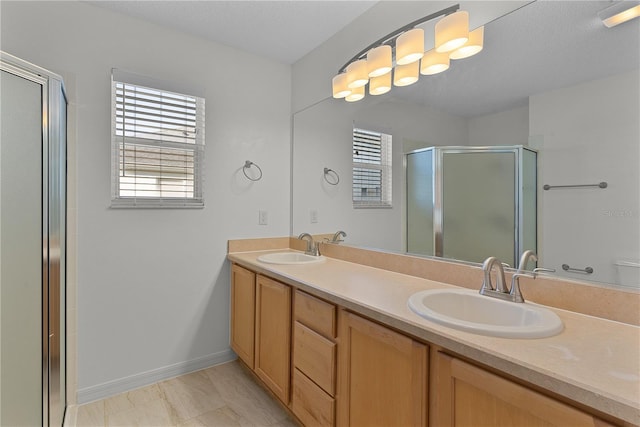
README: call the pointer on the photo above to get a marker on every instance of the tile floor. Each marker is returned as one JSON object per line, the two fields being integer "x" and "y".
{"x": 223, "y": 395}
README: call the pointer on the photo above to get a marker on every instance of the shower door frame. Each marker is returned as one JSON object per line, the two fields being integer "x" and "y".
{"x": 438, "y": 214}
{"x": 52, "y": 94}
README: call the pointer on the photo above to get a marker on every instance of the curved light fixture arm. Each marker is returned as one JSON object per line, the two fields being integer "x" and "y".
{"x": 390, "y": 39}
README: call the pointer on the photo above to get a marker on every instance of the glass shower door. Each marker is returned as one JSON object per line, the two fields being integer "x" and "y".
{"x": 21, "y": 252}
{"x": 32, "y": 245}
{"x": 420, "y": 207}
{"x": 478, "y": 205}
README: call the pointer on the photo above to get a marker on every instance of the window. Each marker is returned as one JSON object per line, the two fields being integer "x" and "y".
{"x": 371, "y": 169}
{"x": 157, "y": 147}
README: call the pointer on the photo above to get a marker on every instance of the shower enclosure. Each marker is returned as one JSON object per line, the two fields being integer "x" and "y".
{"x": 33, "y": 110}
{"x": 469, "y": 203}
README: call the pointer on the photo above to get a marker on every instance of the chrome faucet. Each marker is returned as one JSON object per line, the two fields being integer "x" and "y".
{"x": 338, "y": 237}
{"x": 500, "y": 291}
{"x": 487, "y": 286}
{"x": 524, "y": 260}
{"x": 512, "y": 294}
{"x": 312, "y": 247}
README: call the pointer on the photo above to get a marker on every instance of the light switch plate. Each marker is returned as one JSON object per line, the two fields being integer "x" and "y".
{"x": 313, "y": 216}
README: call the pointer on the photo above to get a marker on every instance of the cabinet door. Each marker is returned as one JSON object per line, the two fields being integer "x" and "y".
{"x": 243, "y": 301}
{"x": 382, "y": 376}
{"x": 466, "y": 395}
{"x": 273, "y": 335}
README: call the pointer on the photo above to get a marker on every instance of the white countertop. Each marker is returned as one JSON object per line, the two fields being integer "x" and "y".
{"x": 593, "y": 361}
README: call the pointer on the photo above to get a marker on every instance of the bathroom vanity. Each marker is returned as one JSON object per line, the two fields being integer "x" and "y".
{"x": 335, "y": 342}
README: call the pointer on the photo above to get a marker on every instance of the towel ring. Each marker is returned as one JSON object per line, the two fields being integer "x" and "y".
{"x": 335, "y": 181}
{"x": 247, "y": 165}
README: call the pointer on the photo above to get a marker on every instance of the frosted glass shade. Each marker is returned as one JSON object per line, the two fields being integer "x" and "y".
{"x": 404, "y": 75}
{"x": 434, "y": 63}
{"x": 357, "y": 74}
{"x": 472, "y": 46}
{"x": 452, "y": 31}
{"x": 380, "y": 84}
{"x": 379, "y": 61}
{"x": 410, "y": 46}
{"x": 339, "y": 84}
{"x": 356, "y": 95}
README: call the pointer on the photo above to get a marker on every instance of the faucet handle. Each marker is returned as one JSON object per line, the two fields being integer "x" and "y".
{"x": 542, "y": 270}
{"x": 516, "y": 294}
{"x": 336, "y": 237}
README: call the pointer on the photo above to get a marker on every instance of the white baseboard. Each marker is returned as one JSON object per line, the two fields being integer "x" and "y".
{"x": 111, "y": 388}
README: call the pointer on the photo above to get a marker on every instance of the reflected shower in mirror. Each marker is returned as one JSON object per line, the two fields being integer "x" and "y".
{"x": 551, "y": 78}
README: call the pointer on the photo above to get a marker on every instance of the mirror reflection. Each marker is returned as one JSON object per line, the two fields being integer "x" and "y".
{"x": 551, "y": 79}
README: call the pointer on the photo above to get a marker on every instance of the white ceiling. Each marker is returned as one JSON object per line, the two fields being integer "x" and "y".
{"x": 281, "y": 30}
{"x": 542, "y": 46}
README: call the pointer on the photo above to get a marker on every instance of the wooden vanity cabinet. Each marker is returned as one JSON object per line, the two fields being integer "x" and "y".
{"x": 382, "y": 375}
{"x": 261, "y": 327}
{"x": 273, "y": 335}
{"x": 314, "y": 360}
{"x": 243, "y": 302}
{"x": 334, "y": 367}
{"x": 466, "y": 395}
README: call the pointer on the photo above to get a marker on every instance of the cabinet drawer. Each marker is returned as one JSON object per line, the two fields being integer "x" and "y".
{"x": 311, "y": 405}
{"x": 315, "y": 314}
{"x": 315, "y": 356}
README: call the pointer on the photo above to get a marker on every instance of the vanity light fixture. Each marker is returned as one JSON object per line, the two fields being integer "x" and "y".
{"x": 404, "y": 50}
{"x": 434, "y": 63}
{"x": 621, "y": 11}
{"x": 410, "y": 46}
{"x": 356, "y": 94}
{"x": 380, "y": 84}
{"x": 405, "y": 75}
{"x": 379, "y": 60}
{"x": 357, "y": 74}
{"x": 452, "y": 31}
{"x": 472, "y": 46}
{"x": 340, "y": 89}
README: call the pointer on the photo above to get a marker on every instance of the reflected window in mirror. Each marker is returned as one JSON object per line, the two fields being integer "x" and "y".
{"x": 371, "y": 169}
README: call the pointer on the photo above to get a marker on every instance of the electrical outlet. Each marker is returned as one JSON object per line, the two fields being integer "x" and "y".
{"x": 263, "y": 218}
{"x": 313, "y": 216}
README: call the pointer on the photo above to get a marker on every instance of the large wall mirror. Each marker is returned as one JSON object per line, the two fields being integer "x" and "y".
{"x": 551, "y": 78}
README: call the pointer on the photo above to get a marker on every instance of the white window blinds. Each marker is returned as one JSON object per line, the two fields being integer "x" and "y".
{"x": 371, "y": 169}
{"x": 157, "y": 147}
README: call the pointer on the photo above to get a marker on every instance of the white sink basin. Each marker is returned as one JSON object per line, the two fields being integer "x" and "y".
{"x": 290, "y": 258}
{"x": 469, "y": 311}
